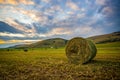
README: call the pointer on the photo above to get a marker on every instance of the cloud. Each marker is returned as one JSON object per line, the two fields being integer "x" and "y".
{"x": 96, "y": 31}
{"x": 53, "y": 32}
{"x": 26, "y": 2}
{"x": 107, "y": 11}
{"x": 59, "y": 31}
{"x": 17, "y": 13}
{"x": 82, "y": 15}
{"x": 2, "y": 41}
{"x": 86, "y": 31}
{"x": 22, "y": 18}
{"x": 101, "y": 2}
{"x": 82, "y": 31}
{"x": 26, "y": 41}
{"x": 11, "y": 34}
{"x": 20, "y": 35}
{"x": 16, "y": 25}
{"x": 64, "y": 18}
{"x": 33, "y": 15}
{"x": 55, "y": 8}
{"x": 1, "y": 1}
{"x": 72, "y": 5}
{"x": 21, "y": 26}
{"x": 47, "y": 1}
{"x": 16, "y": 2}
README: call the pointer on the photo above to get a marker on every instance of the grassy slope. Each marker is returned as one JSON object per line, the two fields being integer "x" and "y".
{"x": 52, "y": 64}
{"x": 112, "y": 37}
{"x": 54, "y": 42}
{"x": 109, "y": 45}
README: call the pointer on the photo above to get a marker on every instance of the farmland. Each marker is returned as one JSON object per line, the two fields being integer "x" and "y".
{"x": 52, "y": 64}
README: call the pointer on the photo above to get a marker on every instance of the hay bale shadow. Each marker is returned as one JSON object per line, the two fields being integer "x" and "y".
{"x": 103, "y": 62}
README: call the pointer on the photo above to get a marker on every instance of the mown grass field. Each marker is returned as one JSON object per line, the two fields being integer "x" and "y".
{"x": 52, "y": 64}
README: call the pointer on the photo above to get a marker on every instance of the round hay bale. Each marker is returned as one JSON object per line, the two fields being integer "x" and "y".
{"x": 25, "y": 50}
{"x": 80, "y": 50}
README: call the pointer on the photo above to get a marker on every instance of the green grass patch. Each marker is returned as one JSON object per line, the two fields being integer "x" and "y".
{"x": 108, "y": 45}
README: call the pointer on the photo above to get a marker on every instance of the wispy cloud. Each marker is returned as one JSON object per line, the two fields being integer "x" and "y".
{"x": 26, "y": 2}
{"x": 107, "y": 11}
{"x": 15, "y": 24}
{"x": 47, "y": 1}
{"x": 59, "y": 31}
{"x": 72, "y": 5}
{"x": 33, "y": 15}
{"x": 16, "y": 2}
{"x": 17, "y": 41}
{"x": 11, "y": 34}
{"x": 101, "y": 2}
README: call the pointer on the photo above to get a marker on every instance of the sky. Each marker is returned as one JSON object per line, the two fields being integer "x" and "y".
{"x": 43, "y": 19}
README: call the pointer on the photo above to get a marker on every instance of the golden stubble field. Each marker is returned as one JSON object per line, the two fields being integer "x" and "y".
{"x": 52, "y": 64}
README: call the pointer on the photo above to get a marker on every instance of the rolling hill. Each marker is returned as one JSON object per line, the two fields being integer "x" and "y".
{"x": 59, "y": 42}
{"x": 49, "y": 43}
{"x": 112, "y": 37}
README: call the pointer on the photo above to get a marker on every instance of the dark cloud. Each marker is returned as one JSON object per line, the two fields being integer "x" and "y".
{"x": 4, "y": 27}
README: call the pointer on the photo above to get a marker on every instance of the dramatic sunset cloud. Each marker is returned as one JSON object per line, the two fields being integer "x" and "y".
{"x": 16, "y": 2}
{"x": 2, "y": 41}
{"x": 42, "y": 19}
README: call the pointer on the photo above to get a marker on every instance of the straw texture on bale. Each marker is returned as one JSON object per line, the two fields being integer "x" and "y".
{"x": 80, "y": 50}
